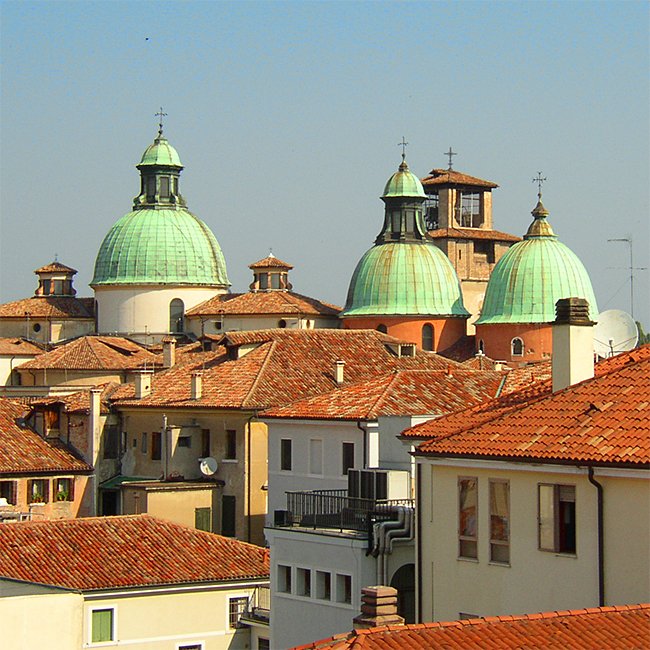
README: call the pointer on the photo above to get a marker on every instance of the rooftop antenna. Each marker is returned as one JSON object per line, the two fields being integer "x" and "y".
{"x": 539, "y": 180}
{"x": 450, "y": 153}
{"x": 403, "y": 144}
{"x": 160, "y": 116}
{"x": 631, "y": 269}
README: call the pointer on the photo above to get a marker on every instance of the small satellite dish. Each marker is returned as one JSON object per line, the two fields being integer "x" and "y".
{"x": 615, "y": 332}
{"x": 208, "y": 466}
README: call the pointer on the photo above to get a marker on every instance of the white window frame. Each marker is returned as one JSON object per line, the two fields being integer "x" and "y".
{"x": 556, "y": 490}
{"x": 467, "y": 538}
{"x": 232, "y": 597}
{"x": 101, "y": 607}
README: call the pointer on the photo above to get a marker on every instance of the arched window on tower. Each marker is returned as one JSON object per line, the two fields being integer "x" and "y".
{"x": 427, "y": 337}
{"x": 382, "y": 328}
{"x": 517, "y": 347}
{"x": 176, "y": 316}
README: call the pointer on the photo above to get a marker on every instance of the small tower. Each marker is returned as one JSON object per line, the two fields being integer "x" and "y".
{"x": 270, "y": 274}
{"x": 55, "y": 279}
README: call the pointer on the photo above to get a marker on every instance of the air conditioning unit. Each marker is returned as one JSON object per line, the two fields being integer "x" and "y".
{"x": 379, "y": 484}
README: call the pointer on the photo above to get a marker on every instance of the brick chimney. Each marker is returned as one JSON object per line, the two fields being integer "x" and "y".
{"x": 169, "y": 352}
{"x": 573, "y": 343}
{"x": 143, "y": 383}
{"x": 378, "y": 607}
{"x": 197, "y": 384}
{"x": 339, "y": 367}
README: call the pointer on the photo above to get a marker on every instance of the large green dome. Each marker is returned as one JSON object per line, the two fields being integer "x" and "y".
{"x": 404, "y": 279}
{"x": 532, "y": 276}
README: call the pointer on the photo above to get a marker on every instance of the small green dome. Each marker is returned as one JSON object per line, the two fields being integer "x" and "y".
{"x": 160, "y": 153}
{"x": 404, "y": 279}
{"x": 532, "y": 276}
{"x": 403, "y": 183}
{"x": 156, "y": 246}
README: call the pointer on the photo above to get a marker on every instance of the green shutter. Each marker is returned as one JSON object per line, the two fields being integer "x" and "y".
{"x": 102, "y": 625}
{"x": 202, "y": 517}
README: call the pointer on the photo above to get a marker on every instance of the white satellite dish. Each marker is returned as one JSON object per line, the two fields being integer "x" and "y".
{"x": 208, "y": 466}
{"x": 615, "y": 332}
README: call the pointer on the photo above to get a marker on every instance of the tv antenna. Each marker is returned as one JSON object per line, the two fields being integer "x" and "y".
{"x": 631, "y": 269}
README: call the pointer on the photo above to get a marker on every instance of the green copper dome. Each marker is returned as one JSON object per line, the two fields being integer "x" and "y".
{"x": 161, "y": 153}
{"x": 403, "y": 183}
{"x": 532, "y": 276}
{"x": 404, "y": 279}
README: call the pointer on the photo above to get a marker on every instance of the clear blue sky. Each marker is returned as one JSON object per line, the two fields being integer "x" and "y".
{"x": 287, "y": 116}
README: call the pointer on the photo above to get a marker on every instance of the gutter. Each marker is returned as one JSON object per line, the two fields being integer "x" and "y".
{"x": 601, "y": 538}
{"x": 418, "y": 545}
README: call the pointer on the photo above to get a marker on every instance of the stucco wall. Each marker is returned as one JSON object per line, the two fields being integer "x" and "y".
{"x": 497, "y": 337}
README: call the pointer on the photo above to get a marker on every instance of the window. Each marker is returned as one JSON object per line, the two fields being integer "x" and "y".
{"x": 236, "y": 607}
{"x": 323, "y": 585}
{"x": 431, "y": 206}
{"x": 315, "y": 456}
{"x": 470, "y": 210}
{"x": 303, "y": 582}
{"x": 284, "y": 578}
{"x": 175, "y": 183}
{"x": 557, "y": 518}
{"x": 193, "y": 646}
{"x": 285, "y": 455}
{"x": 427, "y": 337}
{"x": 203, "y": 519}
{"x": 176, "y": 316}
{"x": 467, "y": 517}
{"x": 164, "y": 187}
{"x": 8, "y": 491}
{"x": 38, "y": 490}
{"x": 517, "y": 346}
{"x": 111, "y": 442}
{"x": 275, "y": 281}
{"x": 184, "y": 441}
{"x": 228, "y": 512}
{"x": 263, "y": 644}
{"x": 156, "y": 445}
{"x": 382, "y": 328}
{"x": 143, "y": 448}
{"x": 264, "y": 280}
{"x": 64, "y": 489}
{"x": 343, "y": 588}
{"x": 347, "y": 457}
{"x": 484, "y": 251}
{"x": 47, "y": 287}
{"x": 231, "y": 444}
{"x": 102, "y": 621}
{"x": 499, "y": 521}
{"x": 282, "y": 323}
{"x": 205, "y": 443}
{"x": 151, "y": 188}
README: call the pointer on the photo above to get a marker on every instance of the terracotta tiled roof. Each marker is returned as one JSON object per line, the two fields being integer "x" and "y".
{"x": 128, "y": 551}
{"x": 462, "y": 350}
{"x": 18, "y": 346}
{"x": 79, "y": 402}
{"x": 472, "y": 233}
{"x": 604, "y": 421}
{"x": 93, "y": 353}
{"x": 622, "y": 627}
{"x": 22, "y": 451}
{"x": 48, "y": 307}
{"x": 55, "y": 267}
{"x": 285, "y": 303}
{"x": 282, "y": 366}
{"x": 404, "y": 392}
{"x": 270, "y": 261}
{"x": 525, "y": 376}
{"x": 451, "y": 177}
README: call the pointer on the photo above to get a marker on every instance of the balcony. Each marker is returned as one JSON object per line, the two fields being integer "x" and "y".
{"x": 335, "y": 510}
{"x": 258, "y": 609}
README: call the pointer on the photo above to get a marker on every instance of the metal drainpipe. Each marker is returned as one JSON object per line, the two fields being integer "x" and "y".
{"x": 365, "y": 444}
{"x": 418, "y": 542}
{"x": 601, "y": 536}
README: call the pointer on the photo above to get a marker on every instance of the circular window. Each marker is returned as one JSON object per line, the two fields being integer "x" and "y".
{"x": 36, "y": 327}
{"x": 282, "y": 323}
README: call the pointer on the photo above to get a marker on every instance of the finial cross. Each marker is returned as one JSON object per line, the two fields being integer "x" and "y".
{"x": 539, "y": 180}
{"x": 160, "y": 115}
{"x": 450, "y": 153}
{"x": 403, "y": 144}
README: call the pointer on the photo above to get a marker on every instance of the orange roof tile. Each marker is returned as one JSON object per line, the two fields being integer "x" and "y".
{"x": 49, "y": 307}
{"x": 281, "y": 366}
{"x": 451, "y": 177}
{"x": 622, "y": 627}
{"x": 472, "y": 233}
{"x": 412, "y": 392}
{"x": 79, "y": 402}
{"x": 604, "y": 420}
{"x": 54, "y": 267}
{"x": 270, "y": 261}
{"x": 18, "y": 346}
{"x": 128, "y": 551}
{"x": 263, "y": 302}
{"x": 23, "y": 451}
{"x": 93, "y": 353}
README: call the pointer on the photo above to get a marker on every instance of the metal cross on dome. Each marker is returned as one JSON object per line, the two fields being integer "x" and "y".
{"x": 403, "y": 144}
{"x": 450, "y": 153}
{"x": 539, "y": 180}
{"x": 160, "y": 115}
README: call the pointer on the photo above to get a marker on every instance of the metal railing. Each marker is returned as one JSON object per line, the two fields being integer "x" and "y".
{"x": 259, "y": 606}
{"x": 335, "y": 509}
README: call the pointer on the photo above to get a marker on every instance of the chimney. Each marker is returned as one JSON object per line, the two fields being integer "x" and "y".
{"x": 143, "y": 383}
{"x": 378, "y": 607}
{"x": 339, "y": 367}
{"x": 573, "y": 343}
{"x": 94, "y": 440}
{"x": 197, "y": 384}
{"x": 169, "y": 352}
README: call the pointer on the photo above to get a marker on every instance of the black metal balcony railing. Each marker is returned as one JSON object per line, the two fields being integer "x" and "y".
{"x": 335, "y": 509}
{"x": 259, "y": 606}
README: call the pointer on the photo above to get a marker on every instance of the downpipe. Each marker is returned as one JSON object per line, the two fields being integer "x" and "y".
{"x": 385, "y": 534}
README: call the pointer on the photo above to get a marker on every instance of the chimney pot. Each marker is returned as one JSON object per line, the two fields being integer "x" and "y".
{"x": 197, "y": 384}
{"x": 169, "y": 352}
{"x": 378, "y": 607}
{"x": 339, "y": 367}
{"x": 143, "y": 383}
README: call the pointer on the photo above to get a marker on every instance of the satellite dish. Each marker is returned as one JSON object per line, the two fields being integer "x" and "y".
{"x": 615, "y": 332}
{"x": 208, "y": 466}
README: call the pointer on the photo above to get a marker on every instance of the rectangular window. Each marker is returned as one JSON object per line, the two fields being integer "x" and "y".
{"x": 470, "y": 210}
{"x": 263, "y": 644}
{"x": 205, "y": 443}
{"x": 284, "y": 579}
{"x": 347, "y": 457}
{"x": 164, "y": 187}
{"x": 8, "y": 491}
{"x": 285, "y": 455}
{"x": 143, "y": 448}
{"x": 156, "y": 445}
{"x": 315, "y": 456}
{"x": 111, "y": 442}
{"x": 231, "y": 444}
{"x": 151, "y": 188}
{"x": 184, "y": 441}
{"x": 236, "y": 607}
{"x": 193, "y": 646}
{"x": 102, "y": 625}
{"x": 343, "y": 588}
{"x": 47, "y": 287}
{"x": 499, "y": 521}
{"x": 38, "y": 490}
{"x": 468, "y": 517}
{"x": 203, "y": 519}
{"x": 58, "y": 287}
{"x": 323, "y": 585}
{"x": 64, "y": 489}
{"x": 557, "y": 518}
{"x": 303, "y": 582}
{"x": 228, "y": 520}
